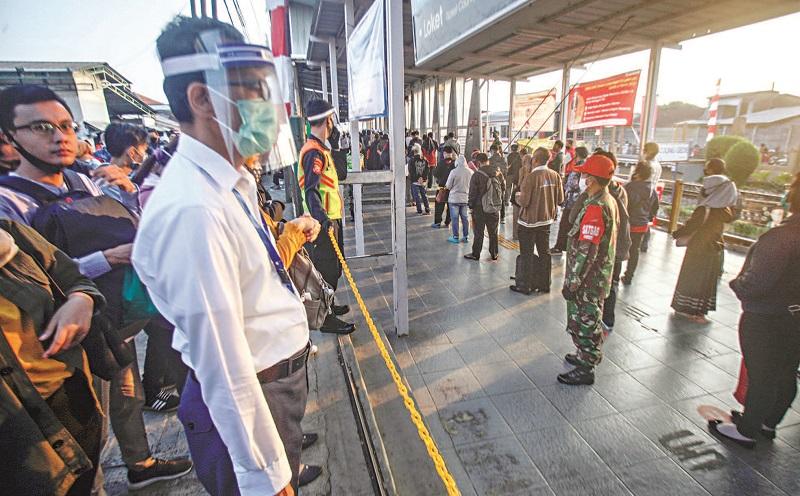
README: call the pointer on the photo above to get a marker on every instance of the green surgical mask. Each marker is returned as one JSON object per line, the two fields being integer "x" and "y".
{"x": 259, "y": 128}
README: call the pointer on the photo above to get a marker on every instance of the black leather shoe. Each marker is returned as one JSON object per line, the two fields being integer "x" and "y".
{"x": 736, "y": 417}
{"x": 308, "y": 473}
{"x": 578, "y": 376}
{"x": 335, "y": 325}
{"x": 713, "y": 427}
{"x": 309, "y": 440}
{"x": 340, "y": 309}
{"x": 521, "y": 290}
{"x": 572, "y": 359}
{"x": 470, "y": 256}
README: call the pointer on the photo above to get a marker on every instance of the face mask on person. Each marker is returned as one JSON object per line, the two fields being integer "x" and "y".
{"x": 259, "y": 127}
{"x": 8, "y": 248}
{"x": 582, "y": 183}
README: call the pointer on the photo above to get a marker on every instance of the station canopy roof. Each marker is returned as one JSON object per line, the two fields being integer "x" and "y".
{"x": 543, "y": 35}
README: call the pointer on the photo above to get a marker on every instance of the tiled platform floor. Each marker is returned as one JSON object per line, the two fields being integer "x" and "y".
{"x": 482, "y": 362}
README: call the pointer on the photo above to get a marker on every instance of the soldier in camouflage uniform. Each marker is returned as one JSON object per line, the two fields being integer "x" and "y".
{"x": 590, "y": 264}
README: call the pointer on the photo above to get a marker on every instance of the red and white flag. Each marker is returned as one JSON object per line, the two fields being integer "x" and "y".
{"x": 279, "y": 20}
{"x": 712, "y": 114}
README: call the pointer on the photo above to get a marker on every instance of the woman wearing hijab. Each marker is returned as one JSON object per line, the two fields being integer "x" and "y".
{"x": 769, "y": 330}
{"x": 696, "y": 291}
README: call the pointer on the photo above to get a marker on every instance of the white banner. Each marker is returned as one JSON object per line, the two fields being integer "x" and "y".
{"x": 366, "y": 65}
{"x": 534, "y": 111}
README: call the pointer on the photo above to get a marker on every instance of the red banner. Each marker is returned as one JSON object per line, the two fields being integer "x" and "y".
{"x": 605, "y": 102}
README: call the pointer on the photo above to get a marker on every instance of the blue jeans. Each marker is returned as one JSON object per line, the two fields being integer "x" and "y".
{"x": 459, "y": 211}
{"x": 420, "y": 197}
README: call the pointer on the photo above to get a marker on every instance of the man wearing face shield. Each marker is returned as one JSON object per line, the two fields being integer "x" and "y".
{"x": 590, "y": 266}
{"x": 212, "y": 268}
{"x": 319, "y": 188}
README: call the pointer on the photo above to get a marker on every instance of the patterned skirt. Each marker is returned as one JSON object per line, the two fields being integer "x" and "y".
{"x": 696, "y": 291}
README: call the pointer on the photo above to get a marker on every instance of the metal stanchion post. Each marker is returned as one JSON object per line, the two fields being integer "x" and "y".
{"x": 675, "y": 212}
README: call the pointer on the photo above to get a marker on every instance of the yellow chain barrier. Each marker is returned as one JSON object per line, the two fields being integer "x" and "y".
{"x": 416, "y": 418}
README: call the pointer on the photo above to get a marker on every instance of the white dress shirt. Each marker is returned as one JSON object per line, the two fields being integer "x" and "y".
{"x": 209, "y": 273}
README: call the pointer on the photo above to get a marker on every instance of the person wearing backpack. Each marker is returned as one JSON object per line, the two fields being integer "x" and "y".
{"x": 539, "y": 196}
{"x": 41, "y": 127}
{"x": 418, "y": 176}
{"x": 485, "y": 200}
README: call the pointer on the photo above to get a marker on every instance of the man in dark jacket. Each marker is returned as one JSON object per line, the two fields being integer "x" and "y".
{"x": 769, "y": 330}
{"x": 418, "y": 174}
{"x": 50, "y": 430}
{"x": 557, "y": 161}
{"x": 496, "y": 159}
{"x": 481, "y": 220}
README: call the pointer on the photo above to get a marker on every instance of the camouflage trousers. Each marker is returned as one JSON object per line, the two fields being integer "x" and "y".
{"x": 583, "y": 324}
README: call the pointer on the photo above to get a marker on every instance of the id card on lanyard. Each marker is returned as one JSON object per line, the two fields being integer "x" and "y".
{"x": 274, "y": 257}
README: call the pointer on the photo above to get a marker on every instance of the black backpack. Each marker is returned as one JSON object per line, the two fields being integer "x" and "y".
{"x": 422, "y": 167}
{"x": 79, "y": 223}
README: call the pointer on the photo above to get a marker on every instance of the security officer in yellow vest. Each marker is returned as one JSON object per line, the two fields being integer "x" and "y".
{"x": 319, "y": 187}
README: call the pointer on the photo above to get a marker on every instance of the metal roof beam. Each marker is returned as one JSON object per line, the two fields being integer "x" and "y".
{"x": 456, "y": 74}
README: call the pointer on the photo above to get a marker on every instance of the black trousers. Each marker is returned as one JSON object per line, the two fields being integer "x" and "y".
{"x": 324, "y": 256}
{"x": 563, "y": 230}
{"x": 163, "y": 366}
{"x": 74, "y": 407}
{"x": 534, "y": 247}
{"x": 633, "y": 257}
{"x": 771, "y": 349}
{"x": 610, "y": 304}
{"x": 438, "y": 210}
{"x": 482, "y": 221}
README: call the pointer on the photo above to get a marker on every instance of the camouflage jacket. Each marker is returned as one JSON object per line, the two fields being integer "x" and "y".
{"x": 592, "y": 247}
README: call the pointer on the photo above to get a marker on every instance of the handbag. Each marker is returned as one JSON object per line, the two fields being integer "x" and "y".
{"x": 442, "y": 194}
{"x": 315, "y": 293}
{"x": 685, "y": 239}
{"x": 106, "y": 350}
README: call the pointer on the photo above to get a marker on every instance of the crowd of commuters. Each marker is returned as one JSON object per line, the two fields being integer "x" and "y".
{"x": 603, "y": 225}
{"x": 99, "y": 242}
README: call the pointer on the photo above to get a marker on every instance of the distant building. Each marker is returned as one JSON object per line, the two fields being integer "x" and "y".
{"x": 767, "y": 117}
{"x": 95, "y": 92}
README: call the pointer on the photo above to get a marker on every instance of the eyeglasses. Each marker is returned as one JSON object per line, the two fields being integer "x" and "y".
{"x": 45, "y": 128}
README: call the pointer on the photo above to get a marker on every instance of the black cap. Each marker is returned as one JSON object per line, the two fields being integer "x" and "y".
{"x": 318, "y": 109}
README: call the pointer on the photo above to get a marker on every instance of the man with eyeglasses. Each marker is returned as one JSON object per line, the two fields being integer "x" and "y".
{"x": 40, "y": 126}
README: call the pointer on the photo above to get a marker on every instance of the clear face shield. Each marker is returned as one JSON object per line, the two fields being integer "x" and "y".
{"x": 245, "y": 94}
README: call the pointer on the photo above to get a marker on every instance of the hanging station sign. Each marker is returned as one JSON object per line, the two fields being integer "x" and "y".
{"x": 441, "y": 24}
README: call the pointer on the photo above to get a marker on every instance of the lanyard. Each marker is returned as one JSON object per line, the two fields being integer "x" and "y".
{"x": 261, "y": 228}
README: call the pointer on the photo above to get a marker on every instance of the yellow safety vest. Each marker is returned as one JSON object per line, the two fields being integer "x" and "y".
{"x": 328, "y": 180}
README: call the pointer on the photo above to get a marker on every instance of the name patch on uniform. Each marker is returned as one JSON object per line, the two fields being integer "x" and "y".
{"x": 592, "y": 226}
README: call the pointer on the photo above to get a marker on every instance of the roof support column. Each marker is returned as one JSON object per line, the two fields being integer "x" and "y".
{"x": 355, "y": 144}
{"x": 564, "y": 105}
{"x": 323, "y": 70}
{"x": 334, "y": 74}
{"x": 394, "y": 50}
{"x": 512, "y": 94}
{"x": 435, "y": 126}
{"x": 649, "y": 108}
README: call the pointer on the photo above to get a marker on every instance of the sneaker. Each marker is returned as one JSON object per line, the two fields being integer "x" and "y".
{"x": 167, "y": 400}
{"x": 309, "y": 439}
{"x": 452, "y": 239}
{"x": 578, "y": 376}
{"x": 435, "y": 226}
{"x": 466, "y": 240}
{"x": 502, "y": 220}
{"x": 555, "y": 251}
{"x": 161, "y": 470}
{"x": 308, "y": 474}
{"x": 607, "y": 329}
